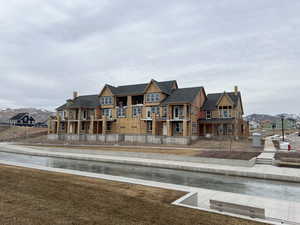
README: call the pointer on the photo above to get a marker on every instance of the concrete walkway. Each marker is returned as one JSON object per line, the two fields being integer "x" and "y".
{"x": 258, "y": 171}
{"x": 267, "y": 156}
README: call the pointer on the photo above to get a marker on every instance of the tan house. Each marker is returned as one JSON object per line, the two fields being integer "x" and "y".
{"x": 156, "y": 108}
{"x": 222, "y": 114}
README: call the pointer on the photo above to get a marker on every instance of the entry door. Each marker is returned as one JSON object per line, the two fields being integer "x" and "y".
{"x": 165, "y": 131}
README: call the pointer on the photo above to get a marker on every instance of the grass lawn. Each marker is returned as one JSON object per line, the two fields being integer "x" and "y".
{"x": 32, "y": 197}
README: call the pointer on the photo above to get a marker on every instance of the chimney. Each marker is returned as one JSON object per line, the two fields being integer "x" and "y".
{"x": 75, "y": 94}
{"x": 236, "y": 90}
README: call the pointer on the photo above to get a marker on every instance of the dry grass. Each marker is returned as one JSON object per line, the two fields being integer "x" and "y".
{"x": 31, "y": 197}
{"x": 20, "y": 133}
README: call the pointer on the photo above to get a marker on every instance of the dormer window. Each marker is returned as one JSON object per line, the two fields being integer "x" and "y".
{"x": 106, "y": 100}
{"x": 208, "y": 114}
{"x": 153, "y": 97}
{"x": 225, "y": 111}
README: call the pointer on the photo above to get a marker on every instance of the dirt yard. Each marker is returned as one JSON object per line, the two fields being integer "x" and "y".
{"x": 32, "y": 197}
{"x": 21, "y": 133}
{"x": 228, "y": 155}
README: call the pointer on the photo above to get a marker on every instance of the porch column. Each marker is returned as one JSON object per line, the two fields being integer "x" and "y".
{"x": 79, "y": 121}
{"x": 169, "y": 128}
{"x": 204, "y": 130}
{"x": 185, "y": 127}
{"x": 68, "y": 127}
{"x": 91, "y": 131}
{"x": 104, "y": 125}
{"x": 154, "y": 124}
{"x": 129, "y": 107}
{"x": 58, "y": 124}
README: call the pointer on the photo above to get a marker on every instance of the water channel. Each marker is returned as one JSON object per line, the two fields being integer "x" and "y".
{"x": 249, "y": 186}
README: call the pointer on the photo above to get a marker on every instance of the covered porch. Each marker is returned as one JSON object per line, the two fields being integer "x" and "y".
{"x": 217, "y": 127}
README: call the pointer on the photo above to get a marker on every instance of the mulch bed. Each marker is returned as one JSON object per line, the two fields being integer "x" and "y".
{"x": 228, "y": 155}
{"x": 288, "y": 156}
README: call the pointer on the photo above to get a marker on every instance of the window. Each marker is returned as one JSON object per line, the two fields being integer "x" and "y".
{"x": 178, "y": 112}
{"x": 165, "y": 112}
{"x": 225, "y": 111}
{"x": 178, "y": 127}
{"x": 109, "y": 126}
{"x": 208, "y": 114}
{"x": 152, "y": 109}
{"x": 153, "y": 97}
{"x": 121, "y": 112}
{"x": 62, "y": 114}
{"x": 85, "y": 113}
{"x": 149, "y": 125}
{"x": 107, "y": 113}
{"x": 136, "y": 111}
{"x": 106, "y": 100}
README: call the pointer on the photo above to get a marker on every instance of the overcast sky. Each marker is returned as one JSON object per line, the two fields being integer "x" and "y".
{"x": 48, "y": 48}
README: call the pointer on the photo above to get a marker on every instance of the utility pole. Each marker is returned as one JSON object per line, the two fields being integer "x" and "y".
{"x": 282, "y": 126}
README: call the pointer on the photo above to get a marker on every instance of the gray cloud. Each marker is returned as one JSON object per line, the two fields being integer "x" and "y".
{"x": 50, "y": 48}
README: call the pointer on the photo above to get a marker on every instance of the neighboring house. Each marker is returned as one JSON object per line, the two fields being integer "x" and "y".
{"x": 223, "y": 115}
{"x": 288, "y": 123}
{"x": 254, "y": 125}
{"x": 22, "y": 119}
{"x": 155, "y": 108}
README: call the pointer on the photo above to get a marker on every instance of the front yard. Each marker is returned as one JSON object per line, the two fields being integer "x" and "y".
{"x": 32, "y": 197}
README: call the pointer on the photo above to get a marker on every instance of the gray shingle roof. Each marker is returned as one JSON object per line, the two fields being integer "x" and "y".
{"x": 183, "y": 95}
{"x": 18, "y": 116}
{"x": 62, "y": 107}
{"x": 84, "y": 101}
{"x": 137, "y": 89}
{"x": 212, "y": 100}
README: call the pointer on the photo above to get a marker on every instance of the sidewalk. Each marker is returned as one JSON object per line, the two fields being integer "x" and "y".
{"x": 258, "y": 171}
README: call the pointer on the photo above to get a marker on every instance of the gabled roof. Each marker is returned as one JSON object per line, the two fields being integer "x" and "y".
{"x": 213, "y": 99}
{"x": 134, "y": 89}
{"x": 139, "y": 89}
{"x": 85, "y": 101}
{"x": 166, "y": 86}
{"x": 62, "y": 107}
{"x": 183, "y": 95}
{"x": 19, "y": 116}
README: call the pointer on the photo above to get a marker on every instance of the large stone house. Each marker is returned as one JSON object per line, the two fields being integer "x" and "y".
{"x": 154, "y": 109}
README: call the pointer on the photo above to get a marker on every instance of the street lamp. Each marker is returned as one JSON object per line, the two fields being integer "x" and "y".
{"x": 282, "y": 126}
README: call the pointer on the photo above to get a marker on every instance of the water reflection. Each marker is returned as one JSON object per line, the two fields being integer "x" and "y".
{"x": 254, "y": 187}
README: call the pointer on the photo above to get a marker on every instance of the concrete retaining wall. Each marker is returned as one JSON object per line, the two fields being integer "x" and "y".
{"x": 132, "y": 139}
{"x": 119, "y": 138}
{"x": 53, "y": 137}
{"x": 177, "y": 140}
{"x": 114, "y": 138}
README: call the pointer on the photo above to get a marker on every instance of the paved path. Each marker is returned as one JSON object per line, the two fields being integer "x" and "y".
{"x": 267, "y": 156}
{"x": 258, "y": 171}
